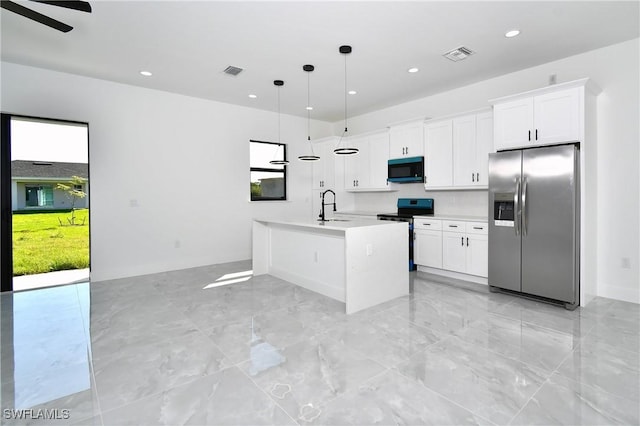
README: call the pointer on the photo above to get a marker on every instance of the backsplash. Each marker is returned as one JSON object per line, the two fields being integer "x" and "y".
{"x": 467, "y": 203}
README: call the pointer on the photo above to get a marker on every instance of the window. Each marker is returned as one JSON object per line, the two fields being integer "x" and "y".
{"x": 268, "y": 181}
{"x": 39, "y": 196}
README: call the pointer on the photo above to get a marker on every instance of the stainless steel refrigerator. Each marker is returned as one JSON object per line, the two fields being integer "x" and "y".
{"x": 534, "y": 222}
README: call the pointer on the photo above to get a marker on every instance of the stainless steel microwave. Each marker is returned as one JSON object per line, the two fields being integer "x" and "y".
{"x": 406, "y": 170}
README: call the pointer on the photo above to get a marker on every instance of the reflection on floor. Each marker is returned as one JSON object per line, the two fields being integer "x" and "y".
{"x": 50, "y": 279}
{"x": 184, "y": 348}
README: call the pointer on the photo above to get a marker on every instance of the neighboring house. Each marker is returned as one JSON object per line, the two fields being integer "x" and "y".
{"x": 272, "y": 187}
{"x": 33, "y": 184}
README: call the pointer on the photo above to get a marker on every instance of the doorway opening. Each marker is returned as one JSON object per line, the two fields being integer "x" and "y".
{"x": 45, "y": 169}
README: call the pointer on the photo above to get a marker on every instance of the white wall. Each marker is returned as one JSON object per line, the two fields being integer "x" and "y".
{"x": 615, "y": 69}
{"x": 169, "y": 173}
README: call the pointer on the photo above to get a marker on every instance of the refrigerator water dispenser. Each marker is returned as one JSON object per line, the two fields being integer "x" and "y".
{"x": 503, "y": 209}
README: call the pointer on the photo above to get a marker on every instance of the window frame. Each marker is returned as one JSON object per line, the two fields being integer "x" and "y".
{"x": 42, "y": 191}
{"x": 283, "y": 170}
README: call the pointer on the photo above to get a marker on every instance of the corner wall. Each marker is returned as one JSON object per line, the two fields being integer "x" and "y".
{"x": 169, "y": 173}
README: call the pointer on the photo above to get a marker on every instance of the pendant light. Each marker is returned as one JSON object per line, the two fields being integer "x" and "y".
{"x": 345, "y": 50}
{"x": 312, "y": 157}
{"x": 284, "y": 162}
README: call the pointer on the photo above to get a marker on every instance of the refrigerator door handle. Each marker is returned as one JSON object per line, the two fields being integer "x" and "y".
{"x": 524, "y": 207}
{"x": 516, "y": 207}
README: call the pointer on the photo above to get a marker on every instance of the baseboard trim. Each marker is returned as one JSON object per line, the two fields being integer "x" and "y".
{"x": 456, "y": 275}
{"x": 619, "y": 293}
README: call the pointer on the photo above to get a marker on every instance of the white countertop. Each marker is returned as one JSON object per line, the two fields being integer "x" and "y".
{"x": 359, "y": 213}
{"x": 333, "y": 225}
{"x": 455, "y": 217}
{"x": 436, "y": 216}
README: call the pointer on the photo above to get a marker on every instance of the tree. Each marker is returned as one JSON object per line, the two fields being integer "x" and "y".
{"x": 75, "y": 194}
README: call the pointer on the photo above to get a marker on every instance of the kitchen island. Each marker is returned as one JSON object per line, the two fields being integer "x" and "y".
{"x": 359, "y": 262}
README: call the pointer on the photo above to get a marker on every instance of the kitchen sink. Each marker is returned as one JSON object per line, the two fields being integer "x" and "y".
{"x": 334, "y": 220}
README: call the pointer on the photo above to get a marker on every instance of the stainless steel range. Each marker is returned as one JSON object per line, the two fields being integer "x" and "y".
{"x": 407, "y": 209}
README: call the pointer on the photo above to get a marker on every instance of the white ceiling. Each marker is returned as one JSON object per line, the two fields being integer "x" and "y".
{"x": 187, "y": 45}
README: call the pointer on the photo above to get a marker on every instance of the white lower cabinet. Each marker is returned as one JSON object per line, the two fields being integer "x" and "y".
{"x": 454, "y": 252}
{"x": 451, "y": 245}
{"x": 427, "y": 248}
{"x": 477, "y": 254}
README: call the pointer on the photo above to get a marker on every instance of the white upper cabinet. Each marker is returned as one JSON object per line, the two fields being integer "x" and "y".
{"x": 557, "y": 116}
{"x": 546, "y": 118}
{"x": 378, "y": 160}
{"x": 464, "y": 153}
{"x": 323, "y": 169}
{"x": 367, "y": 170}
{"x": 406, "y": 140}
{"x": 484, "y": 146}
{"x": 513, "y": 122}
{"x": 457, "y": 152}
{"x": 355, "y": 166}
{"x": 438, "y": 154}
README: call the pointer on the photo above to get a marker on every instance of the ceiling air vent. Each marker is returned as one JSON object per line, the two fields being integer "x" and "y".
{"x": 459, "y": 54}
{"x": 231, "y": 70}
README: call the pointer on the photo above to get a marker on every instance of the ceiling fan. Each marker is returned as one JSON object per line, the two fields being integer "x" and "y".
{"x": 82, "y": 6}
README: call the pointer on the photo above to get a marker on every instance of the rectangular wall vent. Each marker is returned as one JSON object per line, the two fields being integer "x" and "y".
{"x": 459, "y": 54}
{"x": 231, "y": 70}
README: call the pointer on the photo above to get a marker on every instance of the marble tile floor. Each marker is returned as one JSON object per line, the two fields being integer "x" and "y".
{"x": 183, "y": 348}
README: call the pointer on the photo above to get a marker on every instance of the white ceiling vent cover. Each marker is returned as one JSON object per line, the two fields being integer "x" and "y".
{"x": 459, "y": 54}
{"x": 231, "y": 70}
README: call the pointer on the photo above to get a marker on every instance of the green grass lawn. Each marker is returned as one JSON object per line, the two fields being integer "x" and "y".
{"x": 41, "y": 245}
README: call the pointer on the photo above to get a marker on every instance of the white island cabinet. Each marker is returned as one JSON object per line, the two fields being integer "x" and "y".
{"x": 359, "y": 262}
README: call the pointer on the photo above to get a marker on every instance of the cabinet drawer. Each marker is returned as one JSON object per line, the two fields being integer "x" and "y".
{"x": 453, "y": 226}
{"x": 477, "y": 228}
{"x": 433, "y": 224}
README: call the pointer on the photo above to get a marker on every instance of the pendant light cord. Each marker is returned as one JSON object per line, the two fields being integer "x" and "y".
{"x": 345, "y": 93}
{"x": 309, "y": 112}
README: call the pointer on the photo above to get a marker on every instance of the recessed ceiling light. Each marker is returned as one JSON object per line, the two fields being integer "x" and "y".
{"x": 146, "y": 73}
{"x": 412, "y": 70}
{"x": 309, "y": 108}
{"x": 352, "y": 92}
{"x": 252, "y": 96}
{"x": 512, "y": 33}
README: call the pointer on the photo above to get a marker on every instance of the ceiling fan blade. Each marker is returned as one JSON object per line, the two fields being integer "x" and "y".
{"x": 82, "y": 6}
{"x": 38, "y": 17}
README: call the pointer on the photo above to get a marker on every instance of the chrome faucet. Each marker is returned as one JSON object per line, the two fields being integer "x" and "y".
{"x": 327, "y": 204}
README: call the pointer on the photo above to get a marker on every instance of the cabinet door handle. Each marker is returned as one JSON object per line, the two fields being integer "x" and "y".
{"x": 453, "y": 226}
{"x": 426, "y": 224}
{"x": 477, "y": 177}
{"x": 529, "y": 134}
{"x": 536, "y": 134}
{"x": 467, "y": 241}
{"x": 478, "y": 227}
{"x": 407, "y": 150}
{"x": 462, "y": 241}
{"x": 472, "y": 177}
